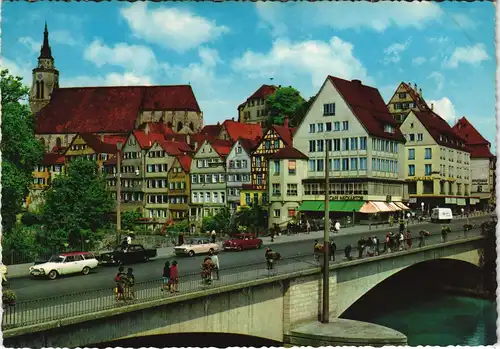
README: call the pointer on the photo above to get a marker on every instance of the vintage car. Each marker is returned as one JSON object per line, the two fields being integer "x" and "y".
{"x": 199, "y": 245}
{"x": 65, "y": 263}
{"x": 127, "y": 254}
{"x": 242, "y": 241}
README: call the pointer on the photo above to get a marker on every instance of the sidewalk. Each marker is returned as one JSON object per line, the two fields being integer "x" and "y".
{"x": 21, "y": 270}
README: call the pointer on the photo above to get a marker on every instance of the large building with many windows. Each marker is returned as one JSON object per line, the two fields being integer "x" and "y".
{"x": 255, "y": 109}
{"x": 406, "y": 98}
{"x": 437, "y": 163}
{"x": 366, "y": 151}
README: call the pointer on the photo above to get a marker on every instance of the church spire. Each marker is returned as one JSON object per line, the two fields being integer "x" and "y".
{"x": 45, "y": 52}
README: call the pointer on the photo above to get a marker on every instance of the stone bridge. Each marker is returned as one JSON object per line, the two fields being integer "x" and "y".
{"x": 268, "y": 308}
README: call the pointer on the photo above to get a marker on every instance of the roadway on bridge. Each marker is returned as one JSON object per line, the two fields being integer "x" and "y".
{"x": 28, "y": 289}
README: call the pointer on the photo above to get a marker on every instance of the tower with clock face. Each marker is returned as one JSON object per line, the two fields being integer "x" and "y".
{"x": 45, "y": 77}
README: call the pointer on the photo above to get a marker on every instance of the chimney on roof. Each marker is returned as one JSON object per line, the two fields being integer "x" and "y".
{"x": 420, "y": 92}
{"x": 218, "y": 123}
{"x": 409, "y": 84}
{"x": 102, "y": 137}
{"x": 232, "y": 119}
{"x": 279, "y": 86}
{"x": 415, "y": 87}
{"x": 150, "y": 143}
{"x": 146, "y": 129}
{"x": 188, "y": 139}
{"x": 285, "y": 122}
{"x": 432, "y": 106}
{"x": 195, "y": 145}
{"x": 357, "y": 82}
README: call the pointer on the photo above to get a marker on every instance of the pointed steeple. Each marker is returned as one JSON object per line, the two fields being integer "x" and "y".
{"x": 45, "y": 52}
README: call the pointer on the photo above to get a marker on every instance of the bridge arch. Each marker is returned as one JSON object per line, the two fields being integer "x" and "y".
{"x": 399, "y": 284}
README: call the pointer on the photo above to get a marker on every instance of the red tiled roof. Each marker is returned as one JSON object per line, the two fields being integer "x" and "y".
{"x": 185, "y": 162}
{"x": 286, "y": 133}
{"x": 114, "y": 139}
{"x": 248, "y": 144}
{"x": 263, "y": 92}
{"x": 174, "y": 148}
{"x": 146, "y": 140}
{"x": 440, "y": 130}
{"x": 52, "y": 159}
{"x": 58, "y": 150}
{"x": 476, "y": 144}
{"x": 368, "y": 106}
{"x": 288, "y": 153}
{"x": 211, "y": 131}
{"x": 237, "y": 130}
{"x": 222, "y": 147}
{"x": 112, "y": 161}
{"x": 95, "y": 143}
{"x": 109, "y": 109}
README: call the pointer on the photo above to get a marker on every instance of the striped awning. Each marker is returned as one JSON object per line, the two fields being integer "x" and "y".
{"x": 401, "y": 205}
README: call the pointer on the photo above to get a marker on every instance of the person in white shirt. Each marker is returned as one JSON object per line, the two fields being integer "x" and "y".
{"x": 215, "y": 259}
{"x": 129, "y": 240}
{"x": 337, "y": 226}
{"x": 213, "y": 235}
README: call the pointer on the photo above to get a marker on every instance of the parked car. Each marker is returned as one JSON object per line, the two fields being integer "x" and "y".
{"x": 65, "y": 263}
{"x": 194, "y": 246}
{"x": 242, "y": 241}
{"x": 127, "y": 255}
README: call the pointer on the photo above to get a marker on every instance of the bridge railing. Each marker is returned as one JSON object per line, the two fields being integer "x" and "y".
{"x": 69, "y": 305}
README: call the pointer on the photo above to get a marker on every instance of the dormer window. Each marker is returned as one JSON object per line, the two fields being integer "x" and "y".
{"x": 389, "y": 129}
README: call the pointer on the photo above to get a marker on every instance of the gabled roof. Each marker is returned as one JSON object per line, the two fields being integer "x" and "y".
{"x": 174, "y": 148}
{"x": 248, "y": 144}
{"x": 237, "y": 130}
{"x": 222, "y": 147}
{"x": 109, "y": 109}
{"x": 288, "y": 153}
{"x": 263, "y": 92}
{"x": 211, "y": 131}
{"x": 146, "y": 140}
{"x": 286, "y": 133}
{"x": 369, "y": 107}
{"x": 417, "y": 98}
{"x": 440, "y": 130}
{"x": 185, "y": 162}
{"x": 478, "y": 146}
{"x": 52, "y": 159}
{"x": 95, "y": 143}
{"x": 114, "y": 139}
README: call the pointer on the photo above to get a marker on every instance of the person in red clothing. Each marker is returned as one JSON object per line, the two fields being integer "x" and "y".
{"x": 408, "y": 239}
{"x": 174, "y": 277}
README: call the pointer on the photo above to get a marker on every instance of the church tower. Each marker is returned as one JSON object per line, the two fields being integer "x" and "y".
{"x": 45, "y": 77}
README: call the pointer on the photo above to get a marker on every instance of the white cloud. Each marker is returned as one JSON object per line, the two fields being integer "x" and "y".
{"x": 112, "y": 79}
{"x": 314, "y": 59}
{"x": 63, "y": 37}
{"x": 377, "y": 16}
{"x": 438, "y": 80}
{"x": 178, "y": 29}
{"x": 393, "y": 52}
{"x": 16, "y": 69}
{"x": 137, "y": 58}
{"x": 270, "y": 17}
{"x": 473, "y": 55}
{"x": 445, "y": 109}
{"x": 30, "y": 43}
{"x": 419, "y": 60}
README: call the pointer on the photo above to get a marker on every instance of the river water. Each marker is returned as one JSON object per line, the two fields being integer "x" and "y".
{"x": 443, "y": 320}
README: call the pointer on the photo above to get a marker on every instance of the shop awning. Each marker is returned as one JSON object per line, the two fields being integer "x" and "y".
{"x": 335, "y": 206}
{"x": 401, "y": 205}
{"x": 311, "y": 206}
{"x": 382, "y": 206}
{"x": 368, "y": 207}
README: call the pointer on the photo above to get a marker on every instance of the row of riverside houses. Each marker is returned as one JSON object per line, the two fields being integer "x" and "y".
{"x": 384, "y": 159}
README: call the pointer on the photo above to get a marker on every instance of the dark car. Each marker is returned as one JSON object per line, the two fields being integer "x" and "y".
{"x": 127, "y": 255}
{"x": 242, "y": 241}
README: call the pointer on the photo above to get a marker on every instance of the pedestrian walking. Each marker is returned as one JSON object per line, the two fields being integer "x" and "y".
{"x": 271, "y": 256}
{"x": 421, "y": 239}
{"x": 336, "y": 226}
{"x": 166, "y": 277}
{"x": 120, "y": 281}
{"x": 308, "y": 227}
{"x": 408, "y": 239}
{"x": 215, "y": 259}
{"x": 174, "y": 277}
{"x": 316, "y": 250}
{"x": 377, "y": 245}
{"x": 444, "y": 232}
{"x": 207, "y": 267}
{"x": 213, "y": 234}
{"x": 333, "y": 248}
{"x": 401, "y": 241}
{"x": 361, "y": 247}
{"x": 401, "y": 224}
{"x": 129, "y": 284}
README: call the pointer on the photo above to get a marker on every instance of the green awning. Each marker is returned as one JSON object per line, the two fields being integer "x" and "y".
{"x": 335, "y": 206}
{"x": 350, "y": 206}
{"x": 311, "y": 206}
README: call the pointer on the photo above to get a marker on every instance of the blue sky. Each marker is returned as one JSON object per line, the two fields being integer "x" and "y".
{"x": 227, "y": 50}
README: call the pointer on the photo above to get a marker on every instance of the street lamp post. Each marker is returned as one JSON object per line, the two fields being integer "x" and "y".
{"x": 422, "y": 206}
{"x": 118, "y": 191}
{"x": 325, "y": 318}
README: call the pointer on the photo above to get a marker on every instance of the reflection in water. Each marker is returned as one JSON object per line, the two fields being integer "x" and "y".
{"x": 202, "y": 340}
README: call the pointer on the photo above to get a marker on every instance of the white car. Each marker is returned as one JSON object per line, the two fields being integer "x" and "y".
{"x": 196, "y": 246}
{"x": 65, "y": 263}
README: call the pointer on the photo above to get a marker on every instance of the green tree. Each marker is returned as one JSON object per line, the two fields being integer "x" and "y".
{"x": 179, "y": 227}
{"x": 129, "y": 219}
{"x": 254, "y": 218}
{"x": 300, "y": 113}
{"x": 20, "y": 149}
{"x": 208, "y": 224}
{"x": 77, "y": 205}
{"x": 283, "y": 104}
{"x": 20, "y": 242}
